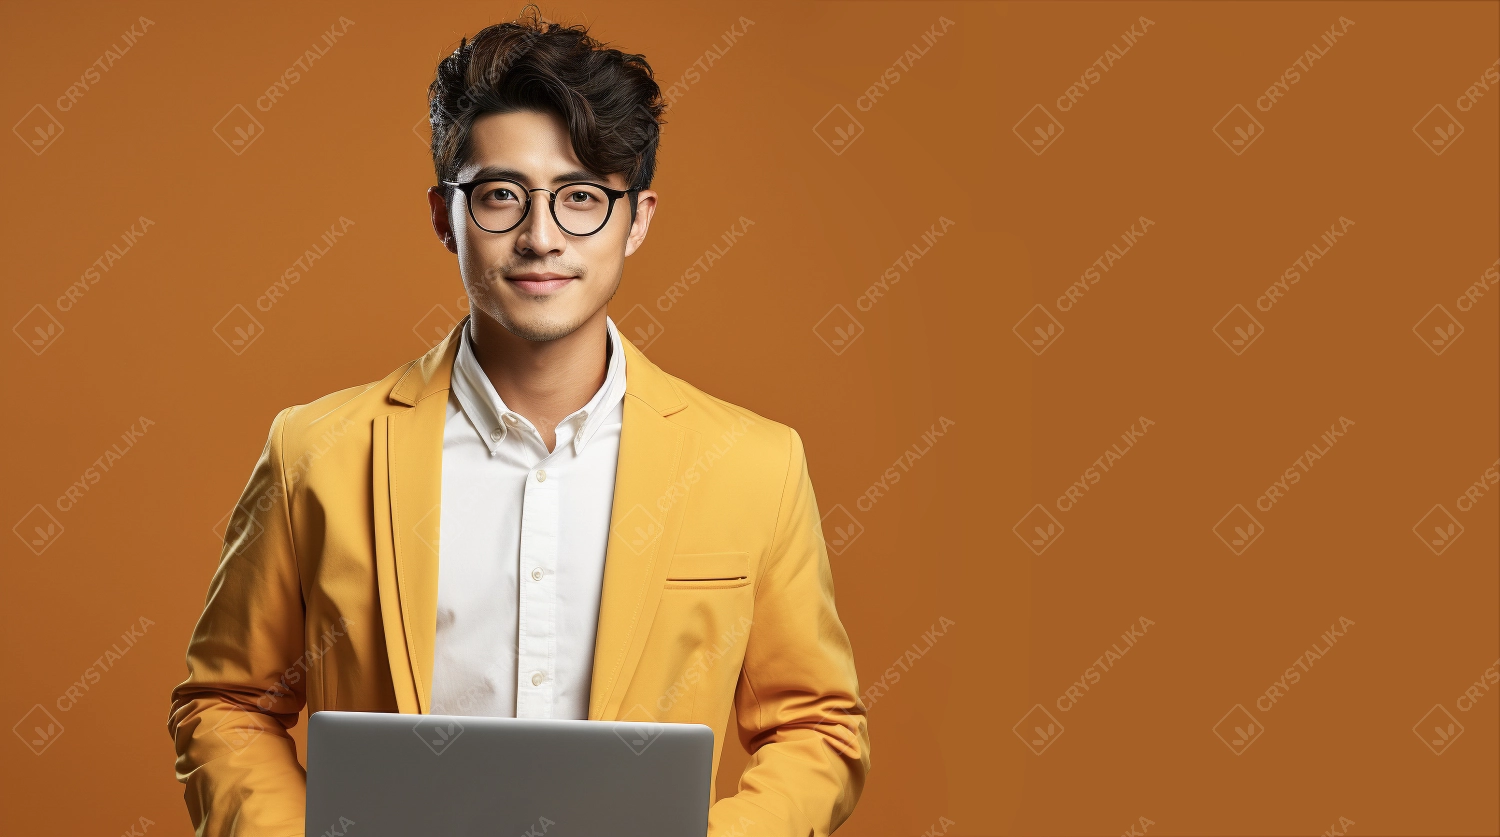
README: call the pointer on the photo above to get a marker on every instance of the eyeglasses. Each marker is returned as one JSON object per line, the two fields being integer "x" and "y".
{"x": 499, "y": 206}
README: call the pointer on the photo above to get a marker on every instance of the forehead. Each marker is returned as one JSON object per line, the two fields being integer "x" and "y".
{"x": 533, "y": 143}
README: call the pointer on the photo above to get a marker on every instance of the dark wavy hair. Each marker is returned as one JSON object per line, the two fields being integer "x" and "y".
{"x": 609, "y": 99}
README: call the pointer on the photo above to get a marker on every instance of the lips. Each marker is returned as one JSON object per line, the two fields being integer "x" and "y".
{"x": 539, "y": 283}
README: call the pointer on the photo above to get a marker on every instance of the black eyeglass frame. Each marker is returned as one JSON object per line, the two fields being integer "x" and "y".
{"x": 613, "y": 194}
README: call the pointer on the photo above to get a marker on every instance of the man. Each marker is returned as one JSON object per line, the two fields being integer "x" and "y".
{"x": 530, "y": 520}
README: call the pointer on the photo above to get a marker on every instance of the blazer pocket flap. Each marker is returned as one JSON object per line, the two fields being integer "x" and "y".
{"x": 709, "y": 566}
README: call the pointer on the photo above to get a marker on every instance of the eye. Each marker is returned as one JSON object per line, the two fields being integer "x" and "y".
{"x": 498, "y": 193}
{"x": 579, "y": 196}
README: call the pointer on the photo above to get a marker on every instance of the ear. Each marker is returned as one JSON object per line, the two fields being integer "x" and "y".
{"x": 645, "y": 207}
{"x": 440, "y": 221}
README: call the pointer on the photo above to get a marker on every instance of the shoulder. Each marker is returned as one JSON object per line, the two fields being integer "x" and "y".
{"x": 707, "y": 413}
{"x": 750, "y": 444}
{"x": 345, "y": 414}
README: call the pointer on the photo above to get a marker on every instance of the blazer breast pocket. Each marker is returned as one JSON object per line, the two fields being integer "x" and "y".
{"x": 708, "y": 571}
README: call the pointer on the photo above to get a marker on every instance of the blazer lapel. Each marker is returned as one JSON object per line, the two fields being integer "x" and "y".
{"x": 644, "y": 524}
{"x": 407, "y": 474}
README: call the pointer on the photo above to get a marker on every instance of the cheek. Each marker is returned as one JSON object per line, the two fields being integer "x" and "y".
{"x": 604, "y": 259}
{"x": 480, "y": 254}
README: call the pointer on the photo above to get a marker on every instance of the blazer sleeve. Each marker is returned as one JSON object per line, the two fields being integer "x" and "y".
{"x": 797, "y": 700}
{"x": 246, "y": 672}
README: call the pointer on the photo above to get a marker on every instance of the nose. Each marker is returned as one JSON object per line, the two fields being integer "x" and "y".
{"x": 539, "y": 233}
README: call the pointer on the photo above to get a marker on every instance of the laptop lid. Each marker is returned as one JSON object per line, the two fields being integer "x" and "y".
{"x": 385, "y": 775}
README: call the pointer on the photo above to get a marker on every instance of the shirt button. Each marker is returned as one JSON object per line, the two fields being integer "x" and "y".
{"x": 536, "y": 679}
{"x": 510, "y": 419}
{"x": 541, "y": 476}
{"x": 536, "y": 574}
{"x": 497, "y": 434}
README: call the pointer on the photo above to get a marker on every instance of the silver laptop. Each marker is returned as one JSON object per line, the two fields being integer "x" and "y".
{"x": 383, "y": 775}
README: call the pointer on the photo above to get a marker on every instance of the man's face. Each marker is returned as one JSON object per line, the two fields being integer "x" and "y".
{"x": 537, "y": 281}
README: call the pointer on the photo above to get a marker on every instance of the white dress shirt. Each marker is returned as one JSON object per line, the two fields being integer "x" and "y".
{"x": 521, "y": 548}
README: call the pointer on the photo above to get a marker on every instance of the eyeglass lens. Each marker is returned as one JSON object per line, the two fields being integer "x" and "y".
{"x": 579, "y": 209}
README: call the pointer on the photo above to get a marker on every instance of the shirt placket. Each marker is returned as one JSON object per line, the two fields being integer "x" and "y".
{"x": 536, "y": 635}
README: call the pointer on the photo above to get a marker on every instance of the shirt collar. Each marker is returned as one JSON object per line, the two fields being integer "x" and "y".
{"x": 494, "y": 421}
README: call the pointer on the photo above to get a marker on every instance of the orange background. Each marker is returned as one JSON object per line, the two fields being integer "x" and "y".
{"x": 740, "y": 142}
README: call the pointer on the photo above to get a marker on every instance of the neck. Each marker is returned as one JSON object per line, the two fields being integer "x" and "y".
{"x": 544, "y": 381}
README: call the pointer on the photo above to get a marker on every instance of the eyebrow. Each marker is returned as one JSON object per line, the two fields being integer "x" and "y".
{"x": 574, "y": 176}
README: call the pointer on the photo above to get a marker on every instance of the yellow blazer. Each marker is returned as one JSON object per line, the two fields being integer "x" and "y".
{"x": 716, "y": 589}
